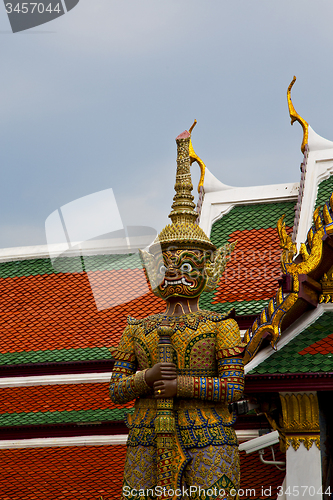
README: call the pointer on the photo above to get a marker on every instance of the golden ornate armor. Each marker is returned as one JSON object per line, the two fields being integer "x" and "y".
{"x": 206, "y": 350}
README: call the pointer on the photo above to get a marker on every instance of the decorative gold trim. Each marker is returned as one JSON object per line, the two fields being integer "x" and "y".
{"x": 309, "y": 260}
{"x": 270, "y": 320}
{"x": 215, "y": 269}
{"x": 300, "y": 412}
{"x": 295, "y": 442}
{"x": 185, "y": 387}
{"x": 327, "y": 287}
{"x": 296, "y": 117}
{"x": 287, "y": 245}
{"x": 192, "y": 126}
{"x": 274, "y": 314}
{"x": 195, "y": 157}
{"x": 300, "y": 415}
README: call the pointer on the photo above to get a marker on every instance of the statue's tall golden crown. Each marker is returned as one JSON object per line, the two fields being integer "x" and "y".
{"x": 184, "y": 230}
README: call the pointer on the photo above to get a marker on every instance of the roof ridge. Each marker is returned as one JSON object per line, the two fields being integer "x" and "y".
{"x": 97, "y": 247}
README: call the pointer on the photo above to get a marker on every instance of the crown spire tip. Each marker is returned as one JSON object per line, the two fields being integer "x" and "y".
{"x": 183, "y": 135}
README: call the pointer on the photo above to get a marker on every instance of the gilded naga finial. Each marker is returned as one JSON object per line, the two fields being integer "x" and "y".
{"x": 195, "y": 157}
{"x": 296, "y": 117}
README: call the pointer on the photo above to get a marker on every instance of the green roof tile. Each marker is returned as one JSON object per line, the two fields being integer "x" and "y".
{"x": 54, "y": 356}
{"x": 288, "y": 359}
{"x": 20, "y": 268}
{"x": 325, "y": 190}
{"x": 35, "y": 267}
{"x": 112, "y": 262}
{"x": 61, "y": 417}
{"x": 247, "y": 217}
{"x": 242, "y": 307}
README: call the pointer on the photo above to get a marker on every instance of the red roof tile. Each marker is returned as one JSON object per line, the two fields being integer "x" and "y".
{"x": 91, "y": 472}
{"x": 59, "y": 311}
{"x": 323, "y": 346}
{"x": 57, "y": 398}
{"x": 64, "y": 473}
{"x": 254, "y": 267}
{"x": 111, "y": 288}
{"x": 260, "y": 477}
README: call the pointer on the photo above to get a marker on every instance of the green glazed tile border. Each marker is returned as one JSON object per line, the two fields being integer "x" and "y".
{"x": 289, "y": 361}
{"x": 55, "y": 356}
{"x": 61, "y": 417}
{"x": 35, "y": 267}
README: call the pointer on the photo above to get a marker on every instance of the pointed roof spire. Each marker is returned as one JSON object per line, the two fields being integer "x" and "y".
{"x": 183, "y": 207}
{"x": 183, "y": 230}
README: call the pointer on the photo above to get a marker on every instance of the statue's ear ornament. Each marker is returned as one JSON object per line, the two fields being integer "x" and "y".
{"x": 215, "y": 269}
{"x": 150, "y": 267}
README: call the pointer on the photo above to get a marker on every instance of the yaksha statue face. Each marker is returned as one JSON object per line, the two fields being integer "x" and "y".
{"x": 181, "y": 273}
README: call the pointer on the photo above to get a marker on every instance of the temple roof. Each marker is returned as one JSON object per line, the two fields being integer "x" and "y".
{"x": 59, "y": 404}
{"x": 69, "y": 472}
{"x": 94, "y": 472}
{"x": 250, "y": 279}
{"x": 52, "y": 317}
{"x": 62, "y": 319}
{"x": 303, "y": 349}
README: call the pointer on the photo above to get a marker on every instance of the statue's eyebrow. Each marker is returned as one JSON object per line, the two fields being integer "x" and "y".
{"x": 169, "y": 259}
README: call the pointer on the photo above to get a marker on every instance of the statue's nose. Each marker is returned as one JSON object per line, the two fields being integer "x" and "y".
{"x": 171, "y": 272}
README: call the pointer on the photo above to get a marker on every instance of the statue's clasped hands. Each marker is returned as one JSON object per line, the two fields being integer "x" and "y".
{"x": 163, "y": 378}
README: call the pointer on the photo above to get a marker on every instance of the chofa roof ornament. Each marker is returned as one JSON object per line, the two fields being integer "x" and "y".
{"x": 296, "y": 117}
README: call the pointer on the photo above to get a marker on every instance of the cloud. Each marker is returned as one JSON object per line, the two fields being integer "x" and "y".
{"x": 98, "y": 103}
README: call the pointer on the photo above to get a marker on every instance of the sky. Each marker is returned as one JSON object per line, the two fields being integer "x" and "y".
{"x": 95, "y": 99}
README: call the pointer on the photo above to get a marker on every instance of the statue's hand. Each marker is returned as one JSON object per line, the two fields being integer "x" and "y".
{"x": 161, "y": 371}
{"x": 165, "y": 388}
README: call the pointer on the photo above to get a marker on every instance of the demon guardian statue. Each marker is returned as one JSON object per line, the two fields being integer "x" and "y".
{"x": 183, "y": 367}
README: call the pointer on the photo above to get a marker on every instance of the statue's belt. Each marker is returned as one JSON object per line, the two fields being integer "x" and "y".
{"x": 183, "y": 404}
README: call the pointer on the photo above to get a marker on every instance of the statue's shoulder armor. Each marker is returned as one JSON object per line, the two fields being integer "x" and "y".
{"x": 147, "y": 323}
{"x": 133, "y": 321}
{"x": 141, "y": 321}
{"x": 217, "y": 317}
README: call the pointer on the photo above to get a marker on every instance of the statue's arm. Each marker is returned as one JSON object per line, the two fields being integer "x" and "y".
{"x": 229, "y": 385}
{"x": 126, "y": 383}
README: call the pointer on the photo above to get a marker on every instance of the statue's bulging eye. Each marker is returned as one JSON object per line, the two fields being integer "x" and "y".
{"x": 162, "y": 270}
{"x": 186, "y": 268}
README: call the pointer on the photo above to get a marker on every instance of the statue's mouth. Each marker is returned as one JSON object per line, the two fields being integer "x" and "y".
{"x": 174, "y": 282}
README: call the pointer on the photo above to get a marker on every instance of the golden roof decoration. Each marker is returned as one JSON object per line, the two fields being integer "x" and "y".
{"x": 327, "y": 287}
{"x": 195, "y": 157}
{"x": 296, "y": 117}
